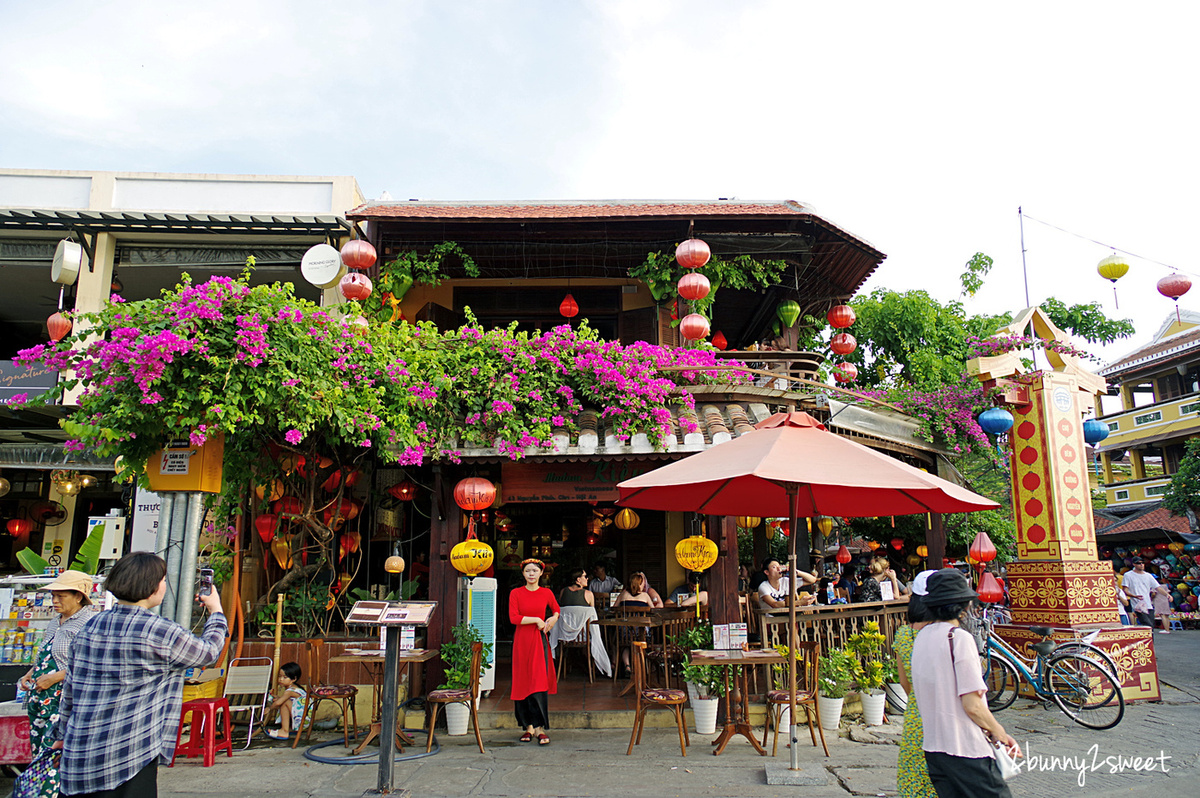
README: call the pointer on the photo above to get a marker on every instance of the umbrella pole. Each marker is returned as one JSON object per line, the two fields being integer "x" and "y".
{"x": 794, "y": 499}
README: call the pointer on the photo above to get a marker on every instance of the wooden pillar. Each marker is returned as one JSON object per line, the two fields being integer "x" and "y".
{"x": 759, "y": 535}
{"x": 935, "y": 540}
{"x": 722, "y": 577}
{"x": 445, "y": 522}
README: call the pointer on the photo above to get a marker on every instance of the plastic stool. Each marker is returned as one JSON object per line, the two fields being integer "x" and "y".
{"x": 203, "y": 739}
{"x": 1176, "y": 625}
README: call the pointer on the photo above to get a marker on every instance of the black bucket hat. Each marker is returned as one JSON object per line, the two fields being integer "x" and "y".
{"x": 948, "y": 586}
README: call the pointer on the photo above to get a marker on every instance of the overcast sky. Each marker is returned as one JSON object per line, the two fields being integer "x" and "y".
{"x": 920, "y": 127}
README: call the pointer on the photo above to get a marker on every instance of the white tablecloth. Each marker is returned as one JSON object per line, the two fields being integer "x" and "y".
{"x": 572, "y": 622}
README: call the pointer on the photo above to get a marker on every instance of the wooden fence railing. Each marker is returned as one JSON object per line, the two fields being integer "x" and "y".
{"x": 832, "y": 624}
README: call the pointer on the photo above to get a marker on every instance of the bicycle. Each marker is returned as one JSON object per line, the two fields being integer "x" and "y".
{"x": 1079, "y": 682}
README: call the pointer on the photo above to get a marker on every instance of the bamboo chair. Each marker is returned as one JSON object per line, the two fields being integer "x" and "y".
{"x": 341, "y": 694}
{"x": 469, "y": 696}
{"x": 806, "y": 696}
{"x": 654, "y": 697}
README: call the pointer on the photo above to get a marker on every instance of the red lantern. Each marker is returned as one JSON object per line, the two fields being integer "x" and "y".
{"x": 989, "y": 590}
{"x": 693, "y": 327}
{"x": 693, "y": 286}
{"x": 19, "y": 526}
{"x": 786, "y": 528}
{"x": 719, "y": 341}
{"x": 353, "y": 477}
{"x": 1174, "y": 285}
{"x": 692, "y": 254}
{"x": 982, "y": 549}
{"x": 289, "y": 505}
{"x": 358, "y": 254}
{"x": 843, "y": 555}
{"x": 355, "y": 286}
{"x": 569, "y": 307}
{"x": 845, "y": 372}
{"x": 331, "y": 484}
{"x": 843, "y": 343}
{"x": 592, "y": 538}
{"x": 840, "y": 316}
{"x": 474, "y": 493}
{"x": 897, "y": 544}
{"x": 266, "y": 525}
{"x": 404, "y": 491}
{"x": 59, "y": 326}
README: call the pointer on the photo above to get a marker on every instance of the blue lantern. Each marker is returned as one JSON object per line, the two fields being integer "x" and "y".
{"x": 996, "y": 420}
{"x": 1094, "y": 431}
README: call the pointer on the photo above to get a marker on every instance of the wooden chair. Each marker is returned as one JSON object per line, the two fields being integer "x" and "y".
{"x": 582, "y": 641}
{"x": 654, "y": 697}
{"x": 341, "y": 694}
{"x": 806, "y": 696}
{"x": 469, "y": 696}
{"x": 669, "y": 653}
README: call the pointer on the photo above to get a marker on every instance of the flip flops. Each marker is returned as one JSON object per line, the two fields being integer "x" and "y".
{"x": 543, "y": 739}
{"x": 277, "y": 735}
{"x": 526, "y": 737}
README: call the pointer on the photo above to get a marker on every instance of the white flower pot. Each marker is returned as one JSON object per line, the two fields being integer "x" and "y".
{"x": 830, "y": 712}
{"x": 692, "y": 692}
{"x": 895, "y": 692}
{"x": 704, "y": 710}
{"x": 873, "y": 704}
{"x": 458, "y": 719}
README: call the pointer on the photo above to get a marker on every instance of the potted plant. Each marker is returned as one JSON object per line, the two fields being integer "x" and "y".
{"x": 892, "y": 689}
{"x": 866, "y": 647}
{"x": 456, "y": 655}
{"x": 709, "y": 684}
{"x": 835, "y": 674}
{"x": 780, "y": 678}
{"x": 694, "y": 638}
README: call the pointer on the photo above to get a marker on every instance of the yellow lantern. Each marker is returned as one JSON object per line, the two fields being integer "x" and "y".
{"x": 394, "y": 565}
{"x": 275, "y": 488}
{"x": 696, "y": 553}
{"x": 772, "y": 529}
{"x": 627, "y": 519}
{"x": 499, "y": 501}
{"x": 472, "y": 557}
{"x": 825, "y": 524}
{"x": 914, "y": 559}
{"x": 922, "y": 551}
{"x": 748, "y": 521}
{"x": 1113, "y": 268}
{"x": 872, "y": 544}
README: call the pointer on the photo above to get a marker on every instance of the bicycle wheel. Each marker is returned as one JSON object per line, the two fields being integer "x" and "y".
{"x": 1084, "y": 690}
{"x": 1089, "y": 650}
{"x": 1001, "y": 679}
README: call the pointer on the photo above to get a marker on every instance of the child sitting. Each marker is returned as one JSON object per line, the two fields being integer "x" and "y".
{"x": 290, "y": 703}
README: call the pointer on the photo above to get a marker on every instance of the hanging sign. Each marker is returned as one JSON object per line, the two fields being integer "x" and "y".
{"x": 567, "y": 482}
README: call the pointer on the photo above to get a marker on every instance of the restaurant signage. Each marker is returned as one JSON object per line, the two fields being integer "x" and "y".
{"x": 16, "y": 379}
{"x": 567, "y": 482}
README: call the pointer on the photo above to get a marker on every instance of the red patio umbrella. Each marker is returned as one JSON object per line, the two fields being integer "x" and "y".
{"x": 792, "y": 466}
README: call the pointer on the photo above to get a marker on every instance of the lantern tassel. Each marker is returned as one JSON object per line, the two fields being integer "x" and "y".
{"x": 1116, "y": 302}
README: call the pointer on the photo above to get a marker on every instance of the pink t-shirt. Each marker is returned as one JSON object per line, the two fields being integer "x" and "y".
{"x": 948, "y": 729}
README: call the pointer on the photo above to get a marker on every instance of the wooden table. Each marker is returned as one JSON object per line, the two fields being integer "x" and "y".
{"x": 374, "y": 662}
{"x": 737, "y": 709}
{"x": 647, "y": 618}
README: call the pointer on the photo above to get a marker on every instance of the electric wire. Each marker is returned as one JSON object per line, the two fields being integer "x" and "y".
{"x": 1101, "y": 243}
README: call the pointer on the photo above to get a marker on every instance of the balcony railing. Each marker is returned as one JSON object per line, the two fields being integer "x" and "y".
{"x": 1171, "y": 418}
{"x": 1136, "y": 491}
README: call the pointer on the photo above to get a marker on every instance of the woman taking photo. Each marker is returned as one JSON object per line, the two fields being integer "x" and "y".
{"x": 533, "y": 611}
{"x": 959, "y": 729}
{"x": 69, "y": 593}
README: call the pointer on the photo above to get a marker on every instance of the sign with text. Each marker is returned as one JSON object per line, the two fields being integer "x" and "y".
{"x": 567, "y": 482}
{"x": 146, "y": 509}
{"x": 16, "y": 379}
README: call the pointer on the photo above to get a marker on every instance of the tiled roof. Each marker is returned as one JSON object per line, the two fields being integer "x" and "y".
{"x": 574, "y": 209}
{"x": 1154, "y": 352}
{"x": 1157, "y": 518}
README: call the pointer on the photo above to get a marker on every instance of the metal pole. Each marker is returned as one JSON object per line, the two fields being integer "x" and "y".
{"x": 187, "y": 567}
{"x": 794, "y": 496}
{"x": 174, "y": 554}
{"x": 162, "y": 539}
{"x": 387, "y": 715}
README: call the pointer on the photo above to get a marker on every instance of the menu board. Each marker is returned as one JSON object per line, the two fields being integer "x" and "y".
{"x": 392, "y": 613}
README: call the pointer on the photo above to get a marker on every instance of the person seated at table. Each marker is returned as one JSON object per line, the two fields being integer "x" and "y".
{"x": 601, "y": 581}
{"x": 743, "y": 582}
{"x": 576, "y": 594}
{"x": 759, "y": 576}
{"x": 685, "y": 594}
{"x": 880, "y": 571}
{"x": 774, "y": 591}
{"x": 846, "y": 585}
{"x": 634, "y": 595}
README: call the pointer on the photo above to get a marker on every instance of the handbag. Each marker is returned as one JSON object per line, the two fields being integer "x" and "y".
{"x": 42, "y": 767}
{"x": 1004, "y": 760}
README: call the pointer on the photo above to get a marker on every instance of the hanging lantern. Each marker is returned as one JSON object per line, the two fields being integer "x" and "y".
{"x": 845, "y": 372}
{"x": 693, "y": 327}
{"x": 404, "y": 490}
{"x": 275, "y": 488}
{"x": 266, "y": 525}
{"x": 840, "y": 316}
{"x": 1174, "y": 286}
{"x": 568, "y": 307}
{"x": 843, "y": 343}
{"x": 843, "y": 555}
{"x": 5, "y": 486}
{"x": 748, "y": 521}
{"x": 627, "y": 519}
{"x": 59, "y": 326}
{"x": 995, "y": 420}
{"x": 692, "y": 254}
{"x": 358, "y": 254}
{"x": 772, "y": 528}
{"x": 786, "y": 528}
{"x": 471, "y": 557}
{"x": 913, "y": 559}
{"x": 1113, "y": 268}
{"x": 788, "y": 312}
{"x": 1094, "y": 431}
{"x": 288, "y": 505}
{"x": 592, "y": 538}
{"x": 824, "y": 524}
{"x": 897, "y": 544}
{"x": 873, "y": 544}
{"x": 989, "y": 590}
{"x": 474, "y": 493}
{"x": 719, "y": 341}
{"x": 693, "y": 286}
{"x": 982, "y": 549}
{"x": 394, "y": 564}
{"x": 19, "y": 526}
{"x": 922, "y": 550}
{"x": 355, "y": 286}
{"x": 696, "y": 553}
{"x": 282, "y": 551}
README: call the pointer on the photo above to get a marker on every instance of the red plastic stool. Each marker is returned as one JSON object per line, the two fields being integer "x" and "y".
{"x": 203, "y": 736}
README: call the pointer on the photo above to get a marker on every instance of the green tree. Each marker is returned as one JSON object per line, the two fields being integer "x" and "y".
{"x": 1183, "y": 493}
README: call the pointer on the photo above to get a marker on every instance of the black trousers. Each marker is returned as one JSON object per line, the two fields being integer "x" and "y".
{"x": 1145, "y": 618}
{"x": 144, "y": 784}
{"x": 533, "y": 710}
{"x": 963, "y": 777}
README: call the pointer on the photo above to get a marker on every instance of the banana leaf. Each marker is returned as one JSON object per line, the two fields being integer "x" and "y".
{"x": 32, "y": 562}
{"x": 87, "y": 559}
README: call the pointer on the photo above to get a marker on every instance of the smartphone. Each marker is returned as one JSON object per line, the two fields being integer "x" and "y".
{"x": 206, "y": 581}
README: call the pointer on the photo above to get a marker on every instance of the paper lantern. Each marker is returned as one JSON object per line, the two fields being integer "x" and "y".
{"x": 1113, "y": 268}
{"x": 394, "y": 564}
{"x": 696, "y": 553}
{"x": 981, "y": 549}
{"x": 840, "y": 316}
{"x": 568, "y": 307}
{"x": 19, "y": 526}
{"x": 355, "y": 286}
{"x": 843, "y": 343}
{"x": 693, "y": 286}
{"x": 59, "y": 326}
{"x": 471, "y": 557}
{"x": 289, "y": 505}
{"x": 788, "y": 312}
{"x": 692, "y": 254}
{"x": 825, "y": 524}
{"x": 282, "y": 551}
{"x": 266, "y": 525}
{"x": 913, "y": 559}
{"x": 845, "y": 372}
{"x": 897, "y": 544}
{"x": 1174, "y": 286}
{"x": 275, "y": 488}
{"x": 474, "y": 493}
{"x": 1176, "y": 548}
{"x": 922, "y": 550}
{"x": 405, "y": 491}
{"x": 358, "y": 254}
{"x": 719, "y": 341}
{"x": 989, "y": 590}
{"x": 995, "y": 420}
{"x": 786, "y": 528}
{"x": 873, "y": 544}
{"x": 748, "y": 521}
{"x": 1094, "y": 431}
{"x": 5, "y": 486}
{"x": 627, "y": 519}
{"x": 693, "y": 327}
{"x": 843, "y": 555}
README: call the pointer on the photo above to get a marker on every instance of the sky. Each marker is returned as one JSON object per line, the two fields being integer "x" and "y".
{"x": 920, "y": 127}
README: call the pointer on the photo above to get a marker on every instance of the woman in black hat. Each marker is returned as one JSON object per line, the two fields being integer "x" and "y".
{"x": 959, "y": 729}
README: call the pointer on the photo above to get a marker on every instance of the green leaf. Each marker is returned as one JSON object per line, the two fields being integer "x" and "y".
{"x": 31, "y": 561}
{"x": 87, "y": 559}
